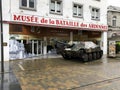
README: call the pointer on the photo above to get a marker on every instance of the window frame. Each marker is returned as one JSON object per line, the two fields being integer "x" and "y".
{"x": 77, "y": 13}
{"x": 28, "y": 6}
{"x": 114, "y": 21}
{"x": 55, "y": 10}
{"x": 95, "y": 14}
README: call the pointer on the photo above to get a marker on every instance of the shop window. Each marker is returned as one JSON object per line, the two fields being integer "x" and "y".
{"x": 114, "y": 21}
{"x": 95, "y": 14}
{"x": 56, "y": 6}
{"x": 77, "y": 10}
{"x": 28, "y": 4}
{"x": 15, "y": 28}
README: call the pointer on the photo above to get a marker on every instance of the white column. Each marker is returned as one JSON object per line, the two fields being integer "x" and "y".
{"x": 41, "y": 47}
{"x": 32, "y": 47}
{"x": 6, "y": 40}
{"x": 45, "y": 46}
{"x": 71, "y": 37}
{"x": 104, "y": 42}
{"x": 37, "y": 47}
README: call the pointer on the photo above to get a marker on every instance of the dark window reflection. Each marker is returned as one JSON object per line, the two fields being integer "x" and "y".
{"x": 24, "y": 3}
{"x": 31, "y": 3}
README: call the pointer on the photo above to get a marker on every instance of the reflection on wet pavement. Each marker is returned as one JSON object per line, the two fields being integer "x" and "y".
{"x": 8, "y": 80}
{"x": 60, "y": 74}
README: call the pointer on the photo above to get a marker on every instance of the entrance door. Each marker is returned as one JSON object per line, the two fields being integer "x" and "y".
{"x": 33, "y": 47}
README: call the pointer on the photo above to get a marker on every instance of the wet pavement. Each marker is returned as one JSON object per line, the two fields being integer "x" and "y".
{"x": 8, "y": 80}
{"x": 60, "y": 74}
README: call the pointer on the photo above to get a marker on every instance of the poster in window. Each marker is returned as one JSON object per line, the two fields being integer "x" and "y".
{"x": 112, "y": 49}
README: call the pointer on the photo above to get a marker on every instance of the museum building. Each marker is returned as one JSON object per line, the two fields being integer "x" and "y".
{"x": 30, "y": 26}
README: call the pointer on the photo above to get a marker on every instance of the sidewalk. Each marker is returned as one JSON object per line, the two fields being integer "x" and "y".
{"x": 8, "y": 80}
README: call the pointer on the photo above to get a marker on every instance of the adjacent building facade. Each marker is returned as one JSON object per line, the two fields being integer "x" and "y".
{"x": 113, "y": 30}
{"x": 29, "y": 26}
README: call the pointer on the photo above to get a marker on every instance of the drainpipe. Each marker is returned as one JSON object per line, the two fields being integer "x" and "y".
{"x": 1, "y": 38}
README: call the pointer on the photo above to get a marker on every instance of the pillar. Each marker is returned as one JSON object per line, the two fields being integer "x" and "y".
{"x": 6, "y": 40}
{"x": 104, "y": 42}
{"x": 71, "y": 37}
{"x": 45, "y": 46}
{"x": 32, "y": 47}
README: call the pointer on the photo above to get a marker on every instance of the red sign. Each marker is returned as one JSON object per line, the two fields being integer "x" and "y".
{"x": 57, "y": 22}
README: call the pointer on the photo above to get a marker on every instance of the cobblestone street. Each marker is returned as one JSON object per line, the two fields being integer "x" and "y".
{"x": 60, "y": 74}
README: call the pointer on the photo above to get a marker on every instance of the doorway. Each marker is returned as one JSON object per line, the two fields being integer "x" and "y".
{"x": 33, "y": 47}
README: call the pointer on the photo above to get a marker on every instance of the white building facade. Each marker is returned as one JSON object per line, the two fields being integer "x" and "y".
{"x": 34, "y": 23}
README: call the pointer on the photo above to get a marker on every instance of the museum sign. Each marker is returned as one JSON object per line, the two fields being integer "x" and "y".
{"x": 32, "y": 19}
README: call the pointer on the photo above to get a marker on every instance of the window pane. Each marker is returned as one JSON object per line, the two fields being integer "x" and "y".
{"x": 93, "y": 10}
{"x": 52, "y": 6}
{"x": 31, "y": 3}
{"x": 24, "y": 3}
{"x": 79, "y": 11}
{"x": 114, "y": 22}
{"x": 58, "y": 7}
{"x": 97, "y": 14}
{"x": 75, "y": 10}
{"x": 93, "y": 13}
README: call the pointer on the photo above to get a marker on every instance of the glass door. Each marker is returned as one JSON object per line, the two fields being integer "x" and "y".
{"x": 33, "y": 47}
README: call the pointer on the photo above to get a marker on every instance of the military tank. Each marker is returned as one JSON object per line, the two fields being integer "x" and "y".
{"x": 85, "y": 51}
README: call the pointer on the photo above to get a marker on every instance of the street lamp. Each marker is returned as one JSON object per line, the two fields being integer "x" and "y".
{"x": 1, "y": 38}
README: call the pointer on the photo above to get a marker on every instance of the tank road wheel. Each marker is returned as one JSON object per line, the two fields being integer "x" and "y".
{"x": 94, "y": 56}
{"x": 90, "y": 57}
{"x": 101, "y": 53}
{"x": 85, "y": 57}
{"x": 64, "y": 56}
{"x": 98, "y": 55}
{"x": 69, "y": 57}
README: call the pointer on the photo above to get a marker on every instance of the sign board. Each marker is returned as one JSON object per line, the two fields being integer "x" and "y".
{"x": 57, "y": 22}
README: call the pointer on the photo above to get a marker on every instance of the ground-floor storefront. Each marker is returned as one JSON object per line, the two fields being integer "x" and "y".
{"x": 29, "y": 36}
{"x": 29, "y": 41}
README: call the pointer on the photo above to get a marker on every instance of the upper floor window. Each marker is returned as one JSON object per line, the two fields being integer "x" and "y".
{"x": 114, "y": 20}
{"x": 77, "y": 10}
{"x": 28, "y": 4}
{"x": 95, "y": 13}
{"x": 97, "y": 0}
{"x": 56, "y": 6}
